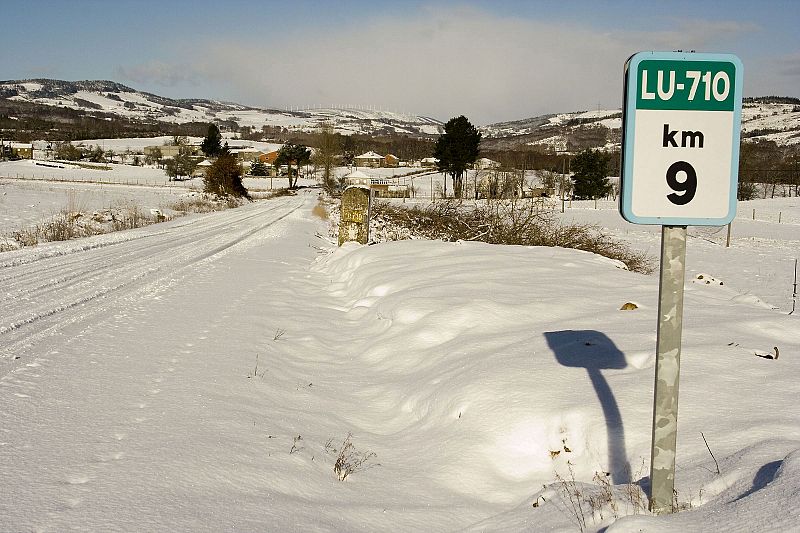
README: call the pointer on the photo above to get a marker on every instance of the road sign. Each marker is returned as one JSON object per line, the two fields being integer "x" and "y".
{"x": 680, "y": 153}
{"x": 680, "y": 159}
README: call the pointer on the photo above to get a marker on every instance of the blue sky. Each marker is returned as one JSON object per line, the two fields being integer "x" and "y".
{"x": 489, "y": 60}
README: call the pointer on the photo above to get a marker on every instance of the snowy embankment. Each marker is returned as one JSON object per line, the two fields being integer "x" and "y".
{"x": 204, "y": 375}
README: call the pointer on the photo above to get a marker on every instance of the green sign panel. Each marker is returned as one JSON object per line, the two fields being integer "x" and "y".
{"x": 686, "y": 85}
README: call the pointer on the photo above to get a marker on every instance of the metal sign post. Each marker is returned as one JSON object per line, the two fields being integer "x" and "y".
{"x": 794, "y": 291}
{"x": 680, "y": 155}
{"x": 668, "y": 363}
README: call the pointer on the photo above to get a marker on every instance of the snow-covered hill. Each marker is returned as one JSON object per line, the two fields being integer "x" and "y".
{"x": 774, "y": 119}
{"x": 117, "y": 99}
{"x": 563, "y": 131}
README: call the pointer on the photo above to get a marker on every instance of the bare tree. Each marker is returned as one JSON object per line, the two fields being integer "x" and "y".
{"x": 325, "y": 156}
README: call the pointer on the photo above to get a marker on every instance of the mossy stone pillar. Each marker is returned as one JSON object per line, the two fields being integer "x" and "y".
{"x": 355, "y": 212}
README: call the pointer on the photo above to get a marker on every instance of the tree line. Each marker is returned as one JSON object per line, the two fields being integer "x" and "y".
{"x": 27, "y": 122}
{"x": 764, "y": 166}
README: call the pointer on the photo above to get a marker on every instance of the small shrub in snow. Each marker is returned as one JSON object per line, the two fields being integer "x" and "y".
{"x": 278, "y": 193}
{"x": 71, "y": 223}
{"x": 296, "y": 446}
{"x": 26, "y": 238}
{"x": 598, "y": 501}
{"x": 131, "y": 218}
{"x": 348, "y": 459}
{"x": 320, "y": 211}
{"x": 205, "y": 203}
{"x": 195, "y": 204}
{"x": 255, "y": 372}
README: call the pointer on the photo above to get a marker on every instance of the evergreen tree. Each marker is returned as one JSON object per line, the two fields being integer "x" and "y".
{"x": 590, "y": 169}
{"x": 212, "y": 143}
{"x": 156, "y": 156}
{"x": 348, "y": 150}
{"x": 292, "y": 154}
{"x": 224, "y": 177}
{"x": 96, "y": 154}
{"x": 258, "y": 169}
{"x": 456, "y": 149}
{"x": 68, "y": 151}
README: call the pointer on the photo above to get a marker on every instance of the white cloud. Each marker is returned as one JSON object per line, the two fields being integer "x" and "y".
{"x": 700, "y": 35}
{"x": 437, "y": 62}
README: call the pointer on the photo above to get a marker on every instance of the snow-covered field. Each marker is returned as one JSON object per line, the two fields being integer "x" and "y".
{"x": 204, "y": 375}
{"x": 31, "y": 192}
{"x": 759, "y": 262}
{"x": 137, "y": 144}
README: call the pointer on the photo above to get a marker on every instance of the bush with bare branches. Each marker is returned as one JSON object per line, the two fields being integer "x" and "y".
{"x": 519, "y": 222}
{"x": 348, "y": 459}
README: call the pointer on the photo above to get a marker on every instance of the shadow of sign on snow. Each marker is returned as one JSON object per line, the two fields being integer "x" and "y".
{"x": 765, "y": 475}
{"x": 594, "y": 351}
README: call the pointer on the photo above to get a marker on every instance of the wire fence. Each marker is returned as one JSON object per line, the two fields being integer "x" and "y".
{"x": 142, "y": 182}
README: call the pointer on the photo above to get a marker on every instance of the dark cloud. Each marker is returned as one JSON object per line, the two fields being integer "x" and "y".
{"x": 790, "y": 65}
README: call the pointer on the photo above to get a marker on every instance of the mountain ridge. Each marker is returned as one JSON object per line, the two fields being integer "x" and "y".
{"x": 107, "y": 96}
{"x": 769, "y": 118}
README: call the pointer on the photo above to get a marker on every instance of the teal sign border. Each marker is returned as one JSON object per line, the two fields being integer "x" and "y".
{"x": 631, "y": 91}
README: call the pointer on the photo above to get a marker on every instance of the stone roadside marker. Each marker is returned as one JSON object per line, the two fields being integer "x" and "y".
{"x": 355, "y": 212}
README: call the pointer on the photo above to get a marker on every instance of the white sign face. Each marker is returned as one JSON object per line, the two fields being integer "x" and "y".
{"x": 681, "y": 139}
{"x": 707, "y": 152}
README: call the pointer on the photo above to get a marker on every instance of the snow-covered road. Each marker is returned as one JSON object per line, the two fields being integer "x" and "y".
{"x": 48, "y": 289}
{"x": 110, "y": 351}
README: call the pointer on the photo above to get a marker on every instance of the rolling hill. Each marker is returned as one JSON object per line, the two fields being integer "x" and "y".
{"x": 45, "y": 104}
{"x": 763, "y": 118}
{"x": 107, "y": 99}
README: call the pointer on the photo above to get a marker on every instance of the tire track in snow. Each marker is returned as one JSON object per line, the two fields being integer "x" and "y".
{"x": 42, "y": 296}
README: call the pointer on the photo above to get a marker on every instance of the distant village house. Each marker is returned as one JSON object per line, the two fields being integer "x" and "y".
{"x": 484, "y": 163}
{"x": 247, "y": 155}
{"x": 15, "y": 150}
{"x": 369, "y": 159}
{"x": 381, "y": 187}
{"x": 168, "y": 150}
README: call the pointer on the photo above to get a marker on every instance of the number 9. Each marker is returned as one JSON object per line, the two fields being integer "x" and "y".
{"x": 688, "y": 186}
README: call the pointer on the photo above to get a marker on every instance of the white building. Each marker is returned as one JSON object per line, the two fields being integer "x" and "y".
{"x": 484, "y": 163}
{"x": 381, "y": 185}
{"x": 369, "y": 159}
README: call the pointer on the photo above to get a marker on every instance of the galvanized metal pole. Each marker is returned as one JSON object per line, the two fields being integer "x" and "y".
{"x": 668, "y": 358}
{"x": 794, "y": 291}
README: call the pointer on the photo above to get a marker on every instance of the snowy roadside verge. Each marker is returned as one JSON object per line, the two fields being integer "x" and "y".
{"x": 502, "y": 352}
